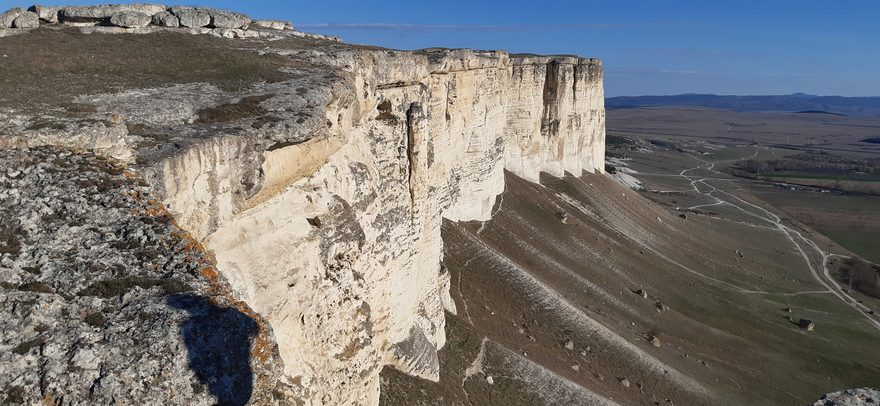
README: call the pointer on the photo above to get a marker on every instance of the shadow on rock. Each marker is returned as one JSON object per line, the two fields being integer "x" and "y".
{"x": 218, "y": 340}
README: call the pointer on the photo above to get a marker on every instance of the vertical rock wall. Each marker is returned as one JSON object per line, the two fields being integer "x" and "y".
{"x": 340, "y": 249}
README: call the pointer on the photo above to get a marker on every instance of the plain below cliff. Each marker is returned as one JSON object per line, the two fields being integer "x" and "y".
{"x": 795, "y": 103}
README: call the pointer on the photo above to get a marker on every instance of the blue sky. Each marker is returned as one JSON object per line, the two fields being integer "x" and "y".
{"x": 647, "y": 47}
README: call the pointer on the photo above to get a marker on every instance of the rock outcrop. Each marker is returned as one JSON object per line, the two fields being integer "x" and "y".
{"x": 46, "y": 14}
{"x": 131, "y": 19}
{"x": 851, "y": 397}
{"x": 273, "y": 24}
{"x": 8, "y": 17}
{"x": 166, "y": 19}
{"x": 321, "y": 195}
{"x": 191, "y": 16}
{"x": 26, "y": 19}
{"x": 102, "y": 14}
{"x": 136, "y": 15}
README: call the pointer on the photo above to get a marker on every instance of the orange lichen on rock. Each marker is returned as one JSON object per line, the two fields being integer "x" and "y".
{"x": 263, "y": 348}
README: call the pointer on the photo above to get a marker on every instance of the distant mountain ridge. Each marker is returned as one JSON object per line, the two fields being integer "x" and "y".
{"x": 797, "y": 102}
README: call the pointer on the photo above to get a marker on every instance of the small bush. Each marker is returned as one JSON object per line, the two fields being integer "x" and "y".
{"x": 15, "y": 395}
{"x": 9, "y": 243}
{"x": 247, "y": 107}
{"x": 41, "y": 287}
{"x": 26, "y": 346}
{"x": 96, "y": 319}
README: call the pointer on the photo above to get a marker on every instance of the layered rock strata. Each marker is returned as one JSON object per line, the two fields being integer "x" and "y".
{"x": 353, "y": 219}
{"x": 321, "y": 195}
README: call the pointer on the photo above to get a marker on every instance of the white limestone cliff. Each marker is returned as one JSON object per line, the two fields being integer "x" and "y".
{"x": 340, "y": 249}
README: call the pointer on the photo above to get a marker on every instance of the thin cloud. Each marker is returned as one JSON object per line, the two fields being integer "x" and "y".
{"x": 685, "y": 51}
{"x": 469, "y": 27}
{"x": 682, "y": 72}
{"x": 641, "y": 72}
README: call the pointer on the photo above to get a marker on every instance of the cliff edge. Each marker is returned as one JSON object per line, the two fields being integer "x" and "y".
{"x": 313, "y": 175}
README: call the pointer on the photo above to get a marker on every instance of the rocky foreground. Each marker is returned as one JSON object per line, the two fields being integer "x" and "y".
{"x": 104, "y": 295}
{"x": 851, "y": 397}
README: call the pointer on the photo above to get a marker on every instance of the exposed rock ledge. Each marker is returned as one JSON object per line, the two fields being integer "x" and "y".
{"x": 323, "y": 204}
{"x": 143, "y": 18}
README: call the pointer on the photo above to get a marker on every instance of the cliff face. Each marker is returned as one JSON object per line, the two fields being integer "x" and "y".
{"x": 341, "y": 250}
{"x": 321, "y": 193}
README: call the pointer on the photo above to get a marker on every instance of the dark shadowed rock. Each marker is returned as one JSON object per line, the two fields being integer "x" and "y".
{"x": 9, "y": 16}
{"x": 26, "y": 20}
{"x": 806, "y": 324}
{"x": 166, "y": 19}
{"x": 130, "y": 19}
{"x": 218, "y": 343}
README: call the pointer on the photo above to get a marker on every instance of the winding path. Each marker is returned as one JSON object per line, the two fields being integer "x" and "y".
{"x": 823, "y": 276}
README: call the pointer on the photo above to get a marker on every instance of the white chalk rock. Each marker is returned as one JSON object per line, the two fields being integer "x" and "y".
{"x": 26, "y": 20}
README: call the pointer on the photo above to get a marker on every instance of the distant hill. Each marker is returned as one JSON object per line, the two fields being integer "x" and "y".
{"x": 798, "y": 102}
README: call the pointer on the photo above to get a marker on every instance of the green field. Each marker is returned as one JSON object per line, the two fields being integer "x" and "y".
{"x": 865, "y": 243}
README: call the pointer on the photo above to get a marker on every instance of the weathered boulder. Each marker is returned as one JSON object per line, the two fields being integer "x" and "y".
{"x": 9, "y": 16}
{"x": 234, "y": 33}
{"x": 47, "y": 14}
{"x": 228, "y": 19}
{"x": 661, "y": 307}
{"x": 563, "y": 217}
{"x": 273, "y": 24}
{"x": 102, "y": 13}
{"x": 210, "y": 17}
{"x": 806, "y": 324}
{"x": 166, "y": 19}
{"x": 26, "y": 20}
{"x": 191, "y": 16}
{"x": 131, "y": 19}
